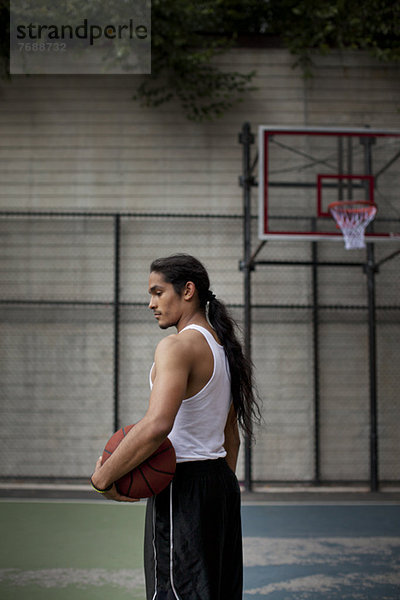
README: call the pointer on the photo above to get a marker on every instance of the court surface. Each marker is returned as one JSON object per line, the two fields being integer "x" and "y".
{"x": 84, "y": 550}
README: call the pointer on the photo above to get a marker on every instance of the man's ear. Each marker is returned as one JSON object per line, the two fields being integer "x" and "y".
{"x": 189, "y": 290}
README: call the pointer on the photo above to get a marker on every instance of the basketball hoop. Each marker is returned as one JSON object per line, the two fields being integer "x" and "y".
{"x": 353, "y": 217}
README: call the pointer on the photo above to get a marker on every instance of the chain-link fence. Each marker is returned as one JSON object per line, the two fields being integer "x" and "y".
{"x": 311, "y": 343}
{"x": 77, "y": 337}
{"x": 78, "y": 342}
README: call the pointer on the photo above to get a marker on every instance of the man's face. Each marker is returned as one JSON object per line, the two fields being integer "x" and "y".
{"x": 165, "y": 303}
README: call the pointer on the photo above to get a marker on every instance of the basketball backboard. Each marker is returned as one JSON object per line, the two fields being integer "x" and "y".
{"x": 302, "y": 170}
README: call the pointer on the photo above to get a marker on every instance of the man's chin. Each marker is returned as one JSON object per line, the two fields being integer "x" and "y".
{"x": 166, "y": 325}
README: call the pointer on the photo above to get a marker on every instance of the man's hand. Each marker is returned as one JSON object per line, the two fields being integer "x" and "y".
{"x": 112, "y": 494}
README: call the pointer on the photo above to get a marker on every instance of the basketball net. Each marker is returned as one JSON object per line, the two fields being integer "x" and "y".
{"x": 353, "y": 217}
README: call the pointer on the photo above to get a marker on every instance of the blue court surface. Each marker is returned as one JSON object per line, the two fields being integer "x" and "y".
{"x": 314, "y": 552}
{"x": 92, "y": 550}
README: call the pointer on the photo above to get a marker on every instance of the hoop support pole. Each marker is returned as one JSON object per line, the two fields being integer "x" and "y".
{"x": 246, "y": 138}
{"x": 370, "y": 268}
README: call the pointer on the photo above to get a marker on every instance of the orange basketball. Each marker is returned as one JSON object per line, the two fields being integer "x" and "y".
{"x": 151, "y": 476}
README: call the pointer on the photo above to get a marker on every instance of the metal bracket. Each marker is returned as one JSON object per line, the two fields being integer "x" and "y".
{"x": 247, "y": 181}
{"x": 243, "y": 266}
{"x": 246, "y": 137}
{"x": 367, "y": 268}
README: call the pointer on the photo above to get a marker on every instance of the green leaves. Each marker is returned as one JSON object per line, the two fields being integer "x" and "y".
{"x": 187, "y": 35}
{"x": 320, "y": 25}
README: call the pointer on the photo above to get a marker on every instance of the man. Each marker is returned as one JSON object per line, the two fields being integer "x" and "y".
{"x": 201, "y": 388}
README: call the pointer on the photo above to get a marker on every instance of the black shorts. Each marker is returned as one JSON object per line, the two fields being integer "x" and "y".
{"x": 193, "y": 535}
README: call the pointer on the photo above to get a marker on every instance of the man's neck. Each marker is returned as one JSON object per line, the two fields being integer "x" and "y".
{"x": 198, "y": 318}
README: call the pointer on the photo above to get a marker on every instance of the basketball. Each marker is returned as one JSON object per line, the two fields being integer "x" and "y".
{"x": 151, "y": 476}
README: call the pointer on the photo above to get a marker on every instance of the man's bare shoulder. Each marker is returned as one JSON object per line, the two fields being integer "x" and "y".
{"x": 183, "y": 344}
{"x": 167, "y": 342}
{"x": 172, "y": 344}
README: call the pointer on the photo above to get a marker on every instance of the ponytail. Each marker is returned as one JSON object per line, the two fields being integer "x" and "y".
{"x": 242, "y": 388}
{"x": 178, "y": 270}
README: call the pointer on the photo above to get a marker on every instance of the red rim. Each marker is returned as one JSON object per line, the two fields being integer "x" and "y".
{"x": 350, "y": 206}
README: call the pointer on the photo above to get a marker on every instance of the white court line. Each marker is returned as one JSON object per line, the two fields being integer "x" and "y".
{"x": 265, "y": 490}
{"x": 321, "y": 503}
{"x": 82, "y": 487}
{"x": 104, "y": 502}
{"x": 100, "y": 502}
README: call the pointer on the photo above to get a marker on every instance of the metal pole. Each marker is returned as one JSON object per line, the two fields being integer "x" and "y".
{"x": 316, "y": 364}
{"x": 246, "y": 138}
{"x": 116, "y": 303}
{"x": 349, "y": 168}
{"x": 340, "y": 167}
{"x": 370, "y": 270}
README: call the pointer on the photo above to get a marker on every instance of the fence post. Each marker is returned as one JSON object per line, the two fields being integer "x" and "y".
{"x": 315, "y": 290}
{"x": 116, "y": 303}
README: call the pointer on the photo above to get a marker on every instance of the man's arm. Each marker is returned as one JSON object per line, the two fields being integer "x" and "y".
{"x": 232, "y": 439}
{"x": 172, "y": 371}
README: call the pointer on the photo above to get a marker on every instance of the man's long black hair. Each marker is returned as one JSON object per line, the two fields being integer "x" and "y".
{"x": 178, "y": 269}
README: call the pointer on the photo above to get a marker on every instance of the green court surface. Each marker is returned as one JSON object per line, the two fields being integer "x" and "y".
{"x": 293, "y": 550}
{"x": 71, "y": 551}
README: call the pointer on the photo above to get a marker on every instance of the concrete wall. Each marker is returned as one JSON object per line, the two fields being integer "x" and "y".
{"x": 82, "y": 144}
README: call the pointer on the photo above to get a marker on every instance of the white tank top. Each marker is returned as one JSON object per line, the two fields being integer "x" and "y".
{"x": 198, "y": 430}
